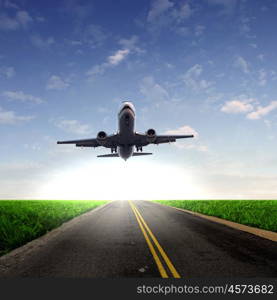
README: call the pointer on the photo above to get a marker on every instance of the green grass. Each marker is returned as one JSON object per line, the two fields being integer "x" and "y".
{"x": 24, "y": 220}
{"x": 255, "y": 213}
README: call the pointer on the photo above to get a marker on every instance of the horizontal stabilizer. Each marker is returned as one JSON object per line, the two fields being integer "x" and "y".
{"x": 109, "y": 155}
{"x": 116, "y": 154}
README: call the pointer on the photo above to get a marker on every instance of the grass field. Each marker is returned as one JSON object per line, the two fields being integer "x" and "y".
{"x": 256, "y": 213}
{"x": 24, "y": 220}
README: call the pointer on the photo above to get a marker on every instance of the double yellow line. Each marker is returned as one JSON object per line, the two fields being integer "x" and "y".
{"x": 147, "y": 233}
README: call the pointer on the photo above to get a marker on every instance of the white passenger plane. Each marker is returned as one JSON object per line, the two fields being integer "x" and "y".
{"x": 123, "y": 142}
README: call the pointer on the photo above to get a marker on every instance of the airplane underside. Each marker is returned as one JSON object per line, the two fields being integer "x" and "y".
{"x": 125, "y": 152}
{"x": 117, "y": 155}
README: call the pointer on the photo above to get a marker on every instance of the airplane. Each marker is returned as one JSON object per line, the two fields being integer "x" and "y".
{"x": 123, "y": 142}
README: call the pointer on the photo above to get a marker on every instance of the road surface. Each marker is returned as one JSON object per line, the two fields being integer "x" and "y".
{"x": 142, "y": 239}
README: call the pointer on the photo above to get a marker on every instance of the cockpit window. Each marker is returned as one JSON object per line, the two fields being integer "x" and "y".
{"x": 127, "y": 104}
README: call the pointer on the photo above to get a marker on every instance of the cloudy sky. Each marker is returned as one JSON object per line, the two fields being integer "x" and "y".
{"x": 207, "y": 67}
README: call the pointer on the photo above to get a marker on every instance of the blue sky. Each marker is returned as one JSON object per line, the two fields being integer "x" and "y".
{"x": 205, "y": 67}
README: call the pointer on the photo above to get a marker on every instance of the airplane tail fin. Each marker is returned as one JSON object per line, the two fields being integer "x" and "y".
{"x": 141, "y": 153}
{"x": 109, "y": 155}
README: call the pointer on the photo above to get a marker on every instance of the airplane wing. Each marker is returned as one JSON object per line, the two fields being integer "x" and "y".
{"x": 110, "y": 141}
{"x": 82, "y": 143}
{"x": 143, "y": 140}
{"x": 170, "y": 138}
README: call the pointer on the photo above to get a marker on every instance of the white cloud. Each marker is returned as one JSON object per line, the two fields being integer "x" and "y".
{"x": 79, "y": 11}
{"x": 242, "y": 64}
{"x": 131, "y": 44}
{"x": 183, "y": 12}
{"x": 10, "y": 117}
{"x": 249, "y": 107}
{"x": 7, "y": 72}
{"x": 40, "y": 42}
{"x": 158, "y": 7}
{"x": 183, "y": 130}
{"x": 262, "y": 111}
{"x": 205, "y": 84}
{"x": 215, "y": 97}
{"x": 33, "y": 146}
{"x": 169, "y": 15}
{"x": 169, "y": 66}
{"x": 40, "y": 19}
{"x": 194, "y": 71}
{"x": 199, "y": 30}
{"x": 187, "y": 144}
{"x": 74, "y": 126}
{"x": 273, "y": 74}
{"x": 90, "y": 35}
{"x": 191, "y": 75}
{"x": 21, "y": 19}
{"x": 8, "y": 23}
{"x": 245, "y": 26}
{"x": 111, "y": 61}
{"x": 21, "y": 96}
{"x": 237, "y": 106}
{"x": 97, "y": 69}
{"x": 56, "y": 83}
{"x": 152, "y": 90}
{"x": 94, "y": 35}
{"x": 192, "y": 79}
{"x": 118, "y": 56}
{"x": 183, "y": 31}
{"x": 262, "y": 77}
{"x": 260, "y": 57}
{"x": 10, "y": 4}
{"x": 75, "y": 42}
{"x": 264, "y": 8}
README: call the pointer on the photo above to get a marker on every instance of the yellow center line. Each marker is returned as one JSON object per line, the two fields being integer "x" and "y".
{"x": 154, "y": 239}
{"x": 155, "y": 256}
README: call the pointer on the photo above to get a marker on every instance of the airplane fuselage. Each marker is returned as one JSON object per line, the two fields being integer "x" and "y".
{"x": 126, "y": 130}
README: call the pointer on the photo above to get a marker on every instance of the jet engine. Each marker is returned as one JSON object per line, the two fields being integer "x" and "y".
{"x": 101, "y": 137}
{"x": 151, "y": 135}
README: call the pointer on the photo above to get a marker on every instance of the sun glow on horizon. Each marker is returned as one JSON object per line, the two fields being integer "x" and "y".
{"x": 119, "y": 180}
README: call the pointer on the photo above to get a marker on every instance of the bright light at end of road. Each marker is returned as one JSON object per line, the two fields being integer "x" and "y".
{"x": 120, "y": 180}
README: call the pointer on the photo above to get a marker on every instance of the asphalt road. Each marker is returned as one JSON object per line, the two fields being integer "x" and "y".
{"x": 142, "y": 239}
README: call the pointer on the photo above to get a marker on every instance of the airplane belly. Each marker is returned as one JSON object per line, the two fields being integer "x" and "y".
{"x": 125, "y": 151}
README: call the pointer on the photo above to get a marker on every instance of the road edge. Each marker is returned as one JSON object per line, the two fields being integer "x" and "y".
{"x": 21, "y": 251}
{"x": 266, "y": 234}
